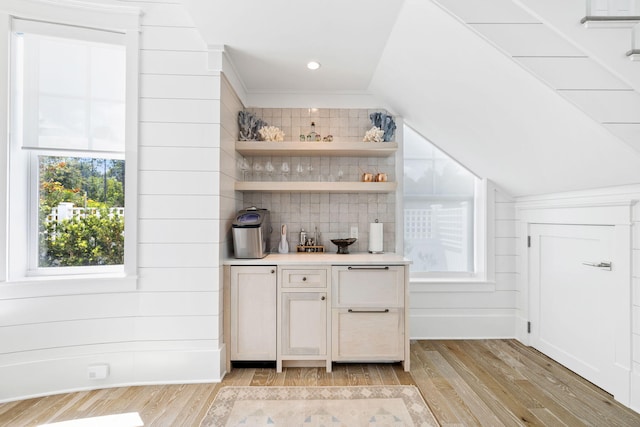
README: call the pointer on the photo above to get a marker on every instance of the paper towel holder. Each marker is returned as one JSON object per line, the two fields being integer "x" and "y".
{"x": 372, "y": 249}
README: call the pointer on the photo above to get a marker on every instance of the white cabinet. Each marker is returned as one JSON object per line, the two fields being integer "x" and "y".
{"x": 368, "y": 314}
{"x": 253, "y": 312}
{"x": 303, "y": 304}
{"x": 314, "y": 312}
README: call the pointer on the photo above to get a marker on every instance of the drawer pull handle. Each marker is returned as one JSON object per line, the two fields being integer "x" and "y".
{"x": 304, "y": 279}
{"x": 368, "y": 268}
{"x": 386, "y": 310}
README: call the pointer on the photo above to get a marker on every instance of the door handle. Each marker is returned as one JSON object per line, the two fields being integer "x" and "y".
{"x": 386, "y": 310}
{"x": 603, "y": 265}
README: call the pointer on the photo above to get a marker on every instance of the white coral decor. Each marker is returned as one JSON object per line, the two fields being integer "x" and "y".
{"x": 271, "y": 133}
{"x": 375, "y": 134}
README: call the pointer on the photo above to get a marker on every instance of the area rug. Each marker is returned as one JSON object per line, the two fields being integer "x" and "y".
{"x": 373, "y": 406}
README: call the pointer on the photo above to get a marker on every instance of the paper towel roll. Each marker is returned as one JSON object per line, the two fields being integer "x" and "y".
{"x": 375, "y": 237}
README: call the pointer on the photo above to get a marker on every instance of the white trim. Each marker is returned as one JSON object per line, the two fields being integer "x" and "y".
{"x": 90, "y": 16}
{"x": 113, "y": 17}
{"x": 5, "y": 28}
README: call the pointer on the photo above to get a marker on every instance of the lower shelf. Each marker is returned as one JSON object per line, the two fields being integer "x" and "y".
{"x": 316, "y": 187}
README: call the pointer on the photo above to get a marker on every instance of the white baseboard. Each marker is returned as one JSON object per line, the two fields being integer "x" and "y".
{"x": 461, "y": 327}
{"x": 65, "y": 375}
{"x": 634, "y": 398}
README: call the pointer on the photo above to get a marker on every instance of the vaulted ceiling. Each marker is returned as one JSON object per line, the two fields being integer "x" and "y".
{"x": 520, "y": 108}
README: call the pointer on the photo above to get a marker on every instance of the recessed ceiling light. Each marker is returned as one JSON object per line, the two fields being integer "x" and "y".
{"x": 313, "y": 65}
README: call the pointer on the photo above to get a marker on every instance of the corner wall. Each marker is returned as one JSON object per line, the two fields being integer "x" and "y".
{"x": 168, "y": 330}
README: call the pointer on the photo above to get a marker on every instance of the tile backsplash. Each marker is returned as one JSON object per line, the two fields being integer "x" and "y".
{"x": 333, "y": 214}
{"x": 343, "y": 124}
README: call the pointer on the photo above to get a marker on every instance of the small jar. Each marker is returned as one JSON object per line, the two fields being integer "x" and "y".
{"x": 381, "y": 177}
{"x": 367, "y": 177}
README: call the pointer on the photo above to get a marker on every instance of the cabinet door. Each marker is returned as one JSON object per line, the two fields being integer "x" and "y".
{"x": 368, "y": 286}
{"x": 304, "y": 323}
{"x": 367, "y": 335}
{"x": 253, "y": 313}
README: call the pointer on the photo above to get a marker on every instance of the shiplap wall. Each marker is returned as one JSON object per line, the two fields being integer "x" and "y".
{"x": 459, "y": 309}
{"x": 169, "y": 330}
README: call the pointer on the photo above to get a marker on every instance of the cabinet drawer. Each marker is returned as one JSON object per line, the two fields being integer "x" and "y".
{"x": 367, "y": 335}
{"x": 368, "y": 286}
{"x": 304, "y": 278}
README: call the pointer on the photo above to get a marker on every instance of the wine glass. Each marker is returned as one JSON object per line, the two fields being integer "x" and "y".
{"x": 243, "y": 165}
{"x": 284, "y": 170}
{"x": 257, "y": 170}
{"x": 268, "y": 167}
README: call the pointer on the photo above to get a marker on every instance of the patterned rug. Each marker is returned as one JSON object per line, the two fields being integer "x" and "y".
{"x": 372, "y": 406}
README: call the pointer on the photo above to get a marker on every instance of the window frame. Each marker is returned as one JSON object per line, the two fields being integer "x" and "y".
{"x": 103, "y": 17}
{"x": 483, "y": 271}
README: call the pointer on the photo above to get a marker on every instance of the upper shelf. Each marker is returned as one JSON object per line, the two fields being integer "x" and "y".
{"x": 335, "y": 148}
{"x": 316, "y": 187}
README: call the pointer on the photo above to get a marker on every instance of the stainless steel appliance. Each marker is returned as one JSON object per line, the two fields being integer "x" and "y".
{"x": 251, "y": 233}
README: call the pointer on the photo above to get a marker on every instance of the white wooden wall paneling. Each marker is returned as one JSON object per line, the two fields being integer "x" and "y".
{"x": 173, "y": 62}
{"x": 176, "y": 303}
{"x": 178, "y": 255}
{"x": 178, "y": 182}
{"x": 180, "y": 134}
{"x": 179, "y": 86}
{"x": 506, "y": 245}
{"x": 169, "y": 329}
{"x": 475, "y": 310}
{"x": 172, "y": 38}
{"x": 471, "y": 300}
{"x": 179, "y": 159}
{"x": 176, "y": 231}
{"x": 67, "y": 333}
{"x": 178, "y": 328}
{"x": 506, "y": 281}
{"x": 102, "y": 349}
{"x": 179, "y": 110}
{"x": 164, "y": 279}
{"x": 23, "y": 311}
{"x": 178, "y": 207}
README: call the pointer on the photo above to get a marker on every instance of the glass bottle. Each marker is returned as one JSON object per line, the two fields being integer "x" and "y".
{"x": 312, "y": 135}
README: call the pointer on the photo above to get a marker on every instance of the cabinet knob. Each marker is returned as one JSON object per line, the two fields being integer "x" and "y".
{"x": 322, "y": 298}
{"x": 273, "y": 271}
{"x": 304, "y": 279}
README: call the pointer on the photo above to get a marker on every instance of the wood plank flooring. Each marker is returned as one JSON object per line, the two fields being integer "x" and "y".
{"x": 464, "y": 382}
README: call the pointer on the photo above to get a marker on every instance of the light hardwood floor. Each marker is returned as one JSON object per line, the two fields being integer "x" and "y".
{"x": 479, "y": 382}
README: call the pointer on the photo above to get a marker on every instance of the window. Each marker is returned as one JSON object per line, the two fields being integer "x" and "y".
{"x": 439, "y": 210}
{"x": 68, "y": 128}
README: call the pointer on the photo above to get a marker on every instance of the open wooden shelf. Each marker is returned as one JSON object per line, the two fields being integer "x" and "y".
{"x": 316, "y": 187}
{"x": 334, "y": 148}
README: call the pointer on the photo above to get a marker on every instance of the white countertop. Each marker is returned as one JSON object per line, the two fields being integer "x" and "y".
{"x": 303, "y": 258}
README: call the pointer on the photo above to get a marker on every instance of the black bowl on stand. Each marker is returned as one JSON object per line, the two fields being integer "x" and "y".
{"x": 343, "y": 244}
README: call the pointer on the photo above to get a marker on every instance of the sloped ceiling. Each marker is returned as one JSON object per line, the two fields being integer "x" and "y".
{"x": 447, "y": 82}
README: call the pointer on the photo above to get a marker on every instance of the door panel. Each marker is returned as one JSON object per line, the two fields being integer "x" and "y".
{"x": 572, "y": 304}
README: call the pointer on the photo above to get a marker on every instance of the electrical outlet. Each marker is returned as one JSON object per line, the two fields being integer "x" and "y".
{"x": 354, "y": 232}
{"x": 97, "y": 372}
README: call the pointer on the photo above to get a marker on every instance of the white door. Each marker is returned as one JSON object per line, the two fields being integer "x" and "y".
{"x": 572, "y": 300}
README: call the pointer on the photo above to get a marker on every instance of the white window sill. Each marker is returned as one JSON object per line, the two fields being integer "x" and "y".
{"x": 68, "y": 285}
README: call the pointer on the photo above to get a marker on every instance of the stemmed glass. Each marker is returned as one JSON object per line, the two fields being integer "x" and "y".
{"x": 243, "y": 165}
{"x": 268, "y": 167}
{"x": 257, "y": 170}
{"x": 284, "y": 169}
